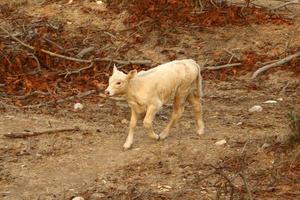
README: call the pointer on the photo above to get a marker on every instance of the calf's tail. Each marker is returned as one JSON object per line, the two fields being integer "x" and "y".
{"x": 200, "y": 83}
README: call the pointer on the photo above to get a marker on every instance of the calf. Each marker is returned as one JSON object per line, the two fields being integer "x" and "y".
{"x": 147, "y": 91}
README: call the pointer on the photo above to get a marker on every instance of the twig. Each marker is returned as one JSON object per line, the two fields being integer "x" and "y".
{"x": 285, "y": 4}
{"x": 276, "y": 64}
{"x": 232, "y": 55}
{"x": 9, "y": 62}
{"x": 223, "y": 66}
{"x": 121, "y": 62}
{"x": 43, "y": 50}
{"x": 35, "y": 133}
{"x": 282, "y": 91}
{"x": 85, "y": 51}
{"x": 39, "y": 69}
{"x": 246, "y": 185}
{"x": 31, "y": 94}
{"x": 51, "y": 42}
{"x": 67, "y": 73}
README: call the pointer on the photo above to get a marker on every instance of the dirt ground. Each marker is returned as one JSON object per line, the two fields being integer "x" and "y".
{"x": 91, "y": 162}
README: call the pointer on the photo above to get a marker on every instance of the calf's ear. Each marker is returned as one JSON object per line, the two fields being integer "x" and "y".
{"x": 115, "y": 69}
{"x": 131, "y": 74}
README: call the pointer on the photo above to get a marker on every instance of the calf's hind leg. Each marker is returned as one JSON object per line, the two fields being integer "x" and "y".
{"x": 178, "y": 109}
{"x": 150, "y": 114}
{"x": 194, "y": 100}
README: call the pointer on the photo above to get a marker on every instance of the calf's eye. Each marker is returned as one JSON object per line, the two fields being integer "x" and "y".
{"x": 118, "y": 83}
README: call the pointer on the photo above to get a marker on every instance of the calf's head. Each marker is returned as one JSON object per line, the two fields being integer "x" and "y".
{"x": 118, "y": 82}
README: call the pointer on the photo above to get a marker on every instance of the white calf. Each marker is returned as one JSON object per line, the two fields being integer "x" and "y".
{"x": 147, "y": 91}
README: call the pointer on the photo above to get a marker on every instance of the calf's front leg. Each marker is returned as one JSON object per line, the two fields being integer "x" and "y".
{"x": 132, "y": 125}
{"x": 150, "y": 114}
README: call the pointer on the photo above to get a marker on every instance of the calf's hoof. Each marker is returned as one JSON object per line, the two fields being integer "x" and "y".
{"x": 201, "y": 131}
{"x": 154, "y": 136}
{"x": 127, "y": 146}
{"x": 163, "y": 136}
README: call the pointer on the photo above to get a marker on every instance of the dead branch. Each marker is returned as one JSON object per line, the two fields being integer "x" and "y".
{"x": 51, "y": 42}
{"x": 223, "y": 66}
{"x": 39, "y": 69}
{"x": 246, "y": 185}
{"x": 275, "y": 64}
{"x": 36, "y": 133}
{"x": 233, "y": 55}
{"x": 31, "y": 94}
{"x": 85, "y": 51}
{"x": 121, "y": 62}
{"x": 43, "y": 50}
{"x": 285, "y": 4}
{"x": 67, "y": 73}
{"x": 9, "y": 62}
{"x": 80, "y": 95}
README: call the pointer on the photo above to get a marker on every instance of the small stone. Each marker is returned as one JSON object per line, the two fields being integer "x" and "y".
{"x": 124, "y": 121}
{"x": 221, "y": 142}
{"x": 270, "y": 102}
{"x": 256, "y": 108}
{"x": 280, "y": 99}
{"x": 78, "y": 106}
{"x": 99, "y": 2}
{"x": 265, "y": 145}
{"x": 239, "y": 123}
{"x": 78, "y": 198}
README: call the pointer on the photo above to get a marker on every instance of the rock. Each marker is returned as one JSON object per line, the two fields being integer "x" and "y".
{"x": 239, "y": 123}
{"x": 97, "y": 196}
{"x": 124, "y": 121}
{"x": 280, "y": 99}
{"x": 221, "y": 142}
{"x": 78, "y": 198}
{"x": 265, "y": 145}
{"x": 164, "y": 188}
{"x": 270, "y": 101}
{"x": 99, "y": 2}
{"x": 78, "y": 106}
{"x": 256, "y": 108}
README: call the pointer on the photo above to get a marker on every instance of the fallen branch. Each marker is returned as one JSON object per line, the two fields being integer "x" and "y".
{"x": 31, "y": 94}
{"x": 285, "y": 4}
{"x": 246, "y": 185}
{"x": 67, "y": 73}
{"x": 223, "y": 66}
{"x": 51, "y": 42}
{"x": 121, "y": 62}
{"x": 39, "y": 69}
{"x": 275, "y": 64}
{"x": 85, "y": 51}
{"x": 35, "y": 133}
